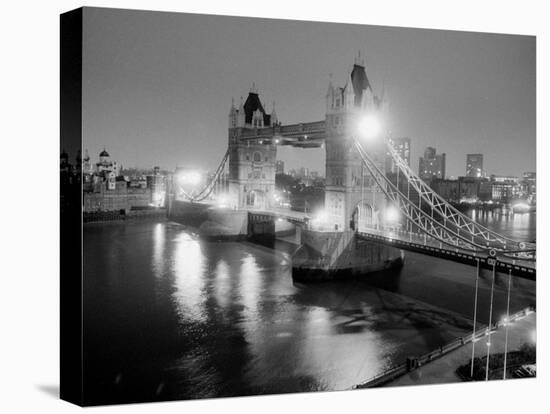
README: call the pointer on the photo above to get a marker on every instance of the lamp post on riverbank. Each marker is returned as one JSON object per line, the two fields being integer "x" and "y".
{"x": 507, "y": 321}
{"x": 475, "y": 318}
{"x": 494, "y": 263}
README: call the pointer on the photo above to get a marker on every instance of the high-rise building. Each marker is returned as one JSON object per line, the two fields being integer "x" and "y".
{"x": 403, "y": 148}
{"x": 474, "y": 165}
{"x": 431, "y": 165}
{"x": 279, "y": 167}
{"x": 303, "y": 172}
{"x": 529, "y": 184}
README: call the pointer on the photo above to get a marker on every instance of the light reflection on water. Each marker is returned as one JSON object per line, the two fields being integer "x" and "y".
{"x": 188, "y": 269}
{"x": 210, "y": 319}
{"x": 516, "y": 226}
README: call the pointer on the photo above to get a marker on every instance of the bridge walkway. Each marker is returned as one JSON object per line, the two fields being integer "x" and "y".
{"x": 422, "y": 243}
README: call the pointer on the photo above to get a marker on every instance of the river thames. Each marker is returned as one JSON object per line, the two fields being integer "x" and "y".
{"x": 168, "y": 315}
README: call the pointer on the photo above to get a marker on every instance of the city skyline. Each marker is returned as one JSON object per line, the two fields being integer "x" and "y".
{"x": 151, "y": 92}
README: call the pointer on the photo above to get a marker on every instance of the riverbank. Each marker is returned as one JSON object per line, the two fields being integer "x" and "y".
{"x": 443, "y": 369}
{"x": 120, "y": 216}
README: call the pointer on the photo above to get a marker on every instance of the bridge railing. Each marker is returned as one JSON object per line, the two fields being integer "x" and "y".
{"x": 440, "y": 219}
{"x": 398, "y": 370}
{"x": 479, "y": 234}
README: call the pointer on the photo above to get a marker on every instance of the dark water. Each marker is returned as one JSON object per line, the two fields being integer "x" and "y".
{"x": 170, "y": 316}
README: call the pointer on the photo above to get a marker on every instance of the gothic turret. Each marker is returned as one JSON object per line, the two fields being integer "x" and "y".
{"x": 274, "y": 119}
{"x": 255, "y": 114}
{"x": 232, "y": 115}
{"x": 241, "y": 115}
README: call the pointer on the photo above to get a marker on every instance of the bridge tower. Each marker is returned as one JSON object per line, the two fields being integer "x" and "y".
{"x": 251, "y": 161}
{"x": 350, "y": 191}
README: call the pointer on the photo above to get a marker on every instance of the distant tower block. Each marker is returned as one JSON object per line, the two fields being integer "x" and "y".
{"x": 344, "y": 195}
{"x": 251, "y": 162}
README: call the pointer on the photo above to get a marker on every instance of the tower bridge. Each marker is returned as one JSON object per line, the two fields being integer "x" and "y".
{"x": 368, "y": 219}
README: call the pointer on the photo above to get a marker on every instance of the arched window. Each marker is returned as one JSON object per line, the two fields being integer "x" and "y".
{"x": 257, "y": 157}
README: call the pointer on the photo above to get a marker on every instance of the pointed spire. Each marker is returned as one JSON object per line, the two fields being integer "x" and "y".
{"x": 330, "y": 88}
{"x": 253, "y": 88}
{"x": 274, "y": 118}
{"x": 359, "y": 60}
{"x": 241, "y": 114}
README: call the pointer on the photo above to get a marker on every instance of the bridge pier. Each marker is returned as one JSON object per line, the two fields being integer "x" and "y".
{"x": 210, "y": 221}
{"x": 261, "y": 228}
{"x": 341, "y": 255}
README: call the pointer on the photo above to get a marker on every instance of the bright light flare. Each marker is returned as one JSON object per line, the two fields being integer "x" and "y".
{"x": 222, "y": 200}
{"x": 189, "y": 177}
{"x": 521, "y": 206}
{"x": 392, "y": 214}
{"x": 369, "y": 127}
{"x": 320, "y": 218}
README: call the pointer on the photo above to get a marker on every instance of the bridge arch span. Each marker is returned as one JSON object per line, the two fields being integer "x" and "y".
{"x": 256, "y": 199}
{"x": 363, "y": 216}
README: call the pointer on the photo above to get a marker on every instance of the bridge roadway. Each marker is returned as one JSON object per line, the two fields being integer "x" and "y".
{"x": 297, "y": 217}
{"x": 419, "y": 243}
{"x": 422, "y": 243}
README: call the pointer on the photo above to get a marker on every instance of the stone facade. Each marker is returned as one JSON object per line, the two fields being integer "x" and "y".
{"x": 252, "y": 165}
{"x": 349, "y": 187}
{"x": 121, "y": 198}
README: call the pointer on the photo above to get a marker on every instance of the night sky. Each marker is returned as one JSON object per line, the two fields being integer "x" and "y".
{"x": 158, "y": 86}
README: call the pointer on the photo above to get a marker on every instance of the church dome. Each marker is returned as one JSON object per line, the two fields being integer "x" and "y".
{"x": 104, "y": 153}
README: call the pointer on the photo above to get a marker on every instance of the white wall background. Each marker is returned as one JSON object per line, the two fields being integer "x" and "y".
{"x": 29, "y": 286}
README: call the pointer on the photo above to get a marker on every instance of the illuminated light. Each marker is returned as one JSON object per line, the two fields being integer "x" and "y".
{"x": 276, "y": 140}
{"x": 189, "y": 177}
{"x": 320, "y": 218}
{"x": 369, "y": 127}
{"x": 279, "y": 219}
{"x": 392, "y": 214}
{"x": 488, "y": 344}
{"x": 222, "y": 200}
{"x": 521, "y": 207}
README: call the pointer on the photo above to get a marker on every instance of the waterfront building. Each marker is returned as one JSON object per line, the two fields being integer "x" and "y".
{"x": 446, "y": 188}
{"x": 105, "y": 190}
{"x": 463, "y": 189}
{"x": 505, "y": 188}
{"x": 529, "y": 185}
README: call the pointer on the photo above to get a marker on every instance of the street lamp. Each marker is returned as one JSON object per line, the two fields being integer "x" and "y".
{"x": 392, "y": 215}
{"x": 369, "y": 126}
{"x": 189, "y": 177}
